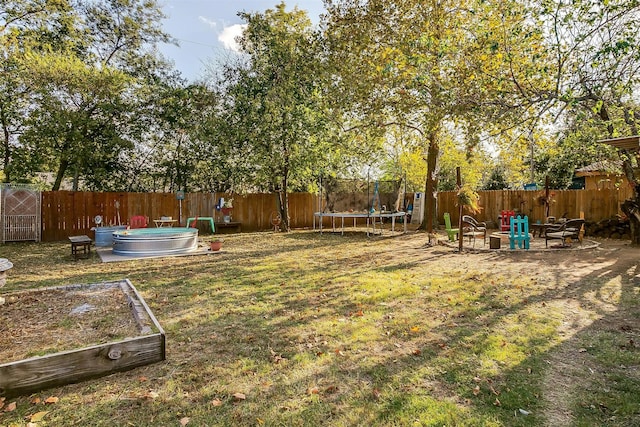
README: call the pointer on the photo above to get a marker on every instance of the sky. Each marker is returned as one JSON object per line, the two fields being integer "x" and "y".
{"x": 206, "y": 29}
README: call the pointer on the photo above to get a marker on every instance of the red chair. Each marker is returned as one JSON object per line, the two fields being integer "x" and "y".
{"x": 138, "y": 221}
{"x": 505, "y": 220}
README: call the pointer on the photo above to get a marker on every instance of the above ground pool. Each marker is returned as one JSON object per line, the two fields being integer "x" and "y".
{"x": 155, "y": 241}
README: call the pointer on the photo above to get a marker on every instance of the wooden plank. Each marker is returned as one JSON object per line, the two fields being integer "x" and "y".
{"x": 37, "y": 373}
{"x": 31, "y": 375}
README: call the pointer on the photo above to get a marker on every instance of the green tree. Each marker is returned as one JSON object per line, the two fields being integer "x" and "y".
{"x": 27, "y": 27}
{"x": 596, "y": 47}
{"x": 432, "y": 66}
{"x": 274, "y": 116}
{"x": 82, "y": 72}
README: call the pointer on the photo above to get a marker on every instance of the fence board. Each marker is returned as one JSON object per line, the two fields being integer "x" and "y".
{"x": 596, "y": 204}
{"x": 67, "y": 213}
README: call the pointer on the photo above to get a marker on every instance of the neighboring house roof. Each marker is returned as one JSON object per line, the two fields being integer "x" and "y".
{"x": 631, "y": 143}
{"x": 603, "y": 167}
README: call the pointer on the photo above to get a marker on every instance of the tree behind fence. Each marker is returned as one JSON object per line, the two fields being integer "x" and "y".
{"x": 68, "y": 213}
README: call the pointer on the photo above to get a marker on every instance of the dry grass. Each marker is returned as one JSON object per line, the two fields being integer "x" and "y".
{"x": 303, "y": 329}
{"x": 39, "y": 322}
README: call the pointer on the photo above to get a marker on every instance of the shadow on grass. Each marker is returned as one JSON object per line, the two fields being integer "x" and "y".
{"x": 337, "y": 330}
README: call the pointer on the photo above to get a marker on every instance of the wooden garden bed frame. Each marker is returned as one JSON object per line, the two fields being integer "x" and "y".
{"x": 53, "y": 370}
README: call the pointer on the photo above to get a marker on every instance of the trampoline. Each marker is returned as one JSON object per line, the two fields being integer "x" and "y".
{"x": 370, "y": 217}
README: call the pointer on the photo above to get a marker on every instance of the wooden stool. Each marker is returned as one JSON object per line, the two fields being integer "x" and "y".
{"x": 80, "y": 246}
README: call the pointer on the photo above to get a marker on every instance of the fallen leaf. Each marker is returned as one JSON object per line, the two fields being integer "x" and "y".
{"x": 260, "y": 421}
{"x": 476, "y": 390}
{"x": 331, "y": 389}
{"x": 277, "y": 358}
{"x": 151, "y": 394}
{"x": 184, "y": 421}
{"x": 38, "y": 416}
{"x": 30, "y": 424}
{"x": 142, "y": 379}
{"x": 415, "y": 329}
{"x": 10, "y": 407}
{"x": 51, "y": 400}
{"x": 376, "y": 393}
{"x": 239, "y": 396}
{"x": 216, "y": 402}
{"x": 417, "y": 352}
{"x": 497, "y": 402}
{"x": 359, "y": 313}
{"x": 35, "y": 400}
{"x": 477, "y": 379}
{"x": 312, "y": 390}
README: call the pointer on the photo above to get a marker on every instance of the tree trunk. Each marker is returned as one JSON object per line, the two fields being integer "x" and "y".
{"x": 282, "y": 200}
{"x": 283, "y": 195}
{"x": 76, "y": 179}
{"x": 631, "y": 208}
{"x": 5, "y": 143}
{"x": 62, "y": 168}
{"x": 431, "y": 185}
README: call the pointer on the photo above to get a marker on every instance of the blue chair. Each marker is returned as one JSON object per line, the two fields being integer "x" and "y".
{"x": 519, "y": 232}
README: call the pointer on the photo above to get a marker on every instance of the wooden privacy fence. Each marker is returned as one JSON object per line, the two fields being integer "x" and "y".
{"x": 68, "y": 213}
{"x": 596, "y": 204}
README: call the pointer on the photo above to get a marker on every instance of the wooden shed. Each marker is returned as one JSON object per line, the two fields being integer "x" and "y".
{"x": 603, "y": 175}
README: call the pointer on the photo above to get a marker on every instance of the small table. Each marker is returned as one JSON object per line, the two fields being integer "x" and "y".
{"x": 165, "y": 222}
{"x": 80, "y": 246}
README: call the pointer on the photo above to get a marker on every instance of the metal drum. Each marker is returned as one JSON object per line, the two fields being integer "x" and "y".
{"x": 155, "y": 241}
{"x": 104, "y": 235}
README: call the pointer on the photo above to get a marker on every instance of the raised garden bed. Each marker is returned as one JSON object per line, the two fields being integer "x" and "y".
{"x": 60, "y": 335}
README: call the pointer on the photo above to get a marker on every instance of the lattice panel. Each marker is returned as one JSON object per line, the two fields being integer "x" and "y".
{"x": 20, "y": 214}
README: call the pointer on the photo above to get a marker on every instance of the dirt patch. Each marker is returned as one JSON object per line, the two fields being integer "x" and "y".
{"x": 47, "y": 321}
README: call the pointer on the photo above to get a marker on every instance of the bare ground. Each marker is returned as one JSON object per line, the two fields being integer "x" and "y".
{"x": 591, "y": 283}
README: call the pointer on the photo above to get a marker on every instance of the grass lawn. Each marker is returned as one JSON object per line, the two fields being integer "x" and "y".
{"x": 303, "y": 329}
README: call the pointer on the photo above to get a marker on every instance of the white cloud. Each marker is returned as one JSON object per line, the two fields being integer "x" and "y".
{"x": 229, "y": 35}
{"x": 209, "y": 22}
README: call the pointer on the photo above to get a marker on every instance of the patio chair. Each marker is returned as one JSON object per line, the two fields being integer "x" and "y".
{"x": 519, "y": 232}
{"x": 571, "y": 229}
{"x": 138, "y": 221}
{"x": 471, "y": 228}
{"x": 505, "y": 220}
{"x": 451, "y": 232}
